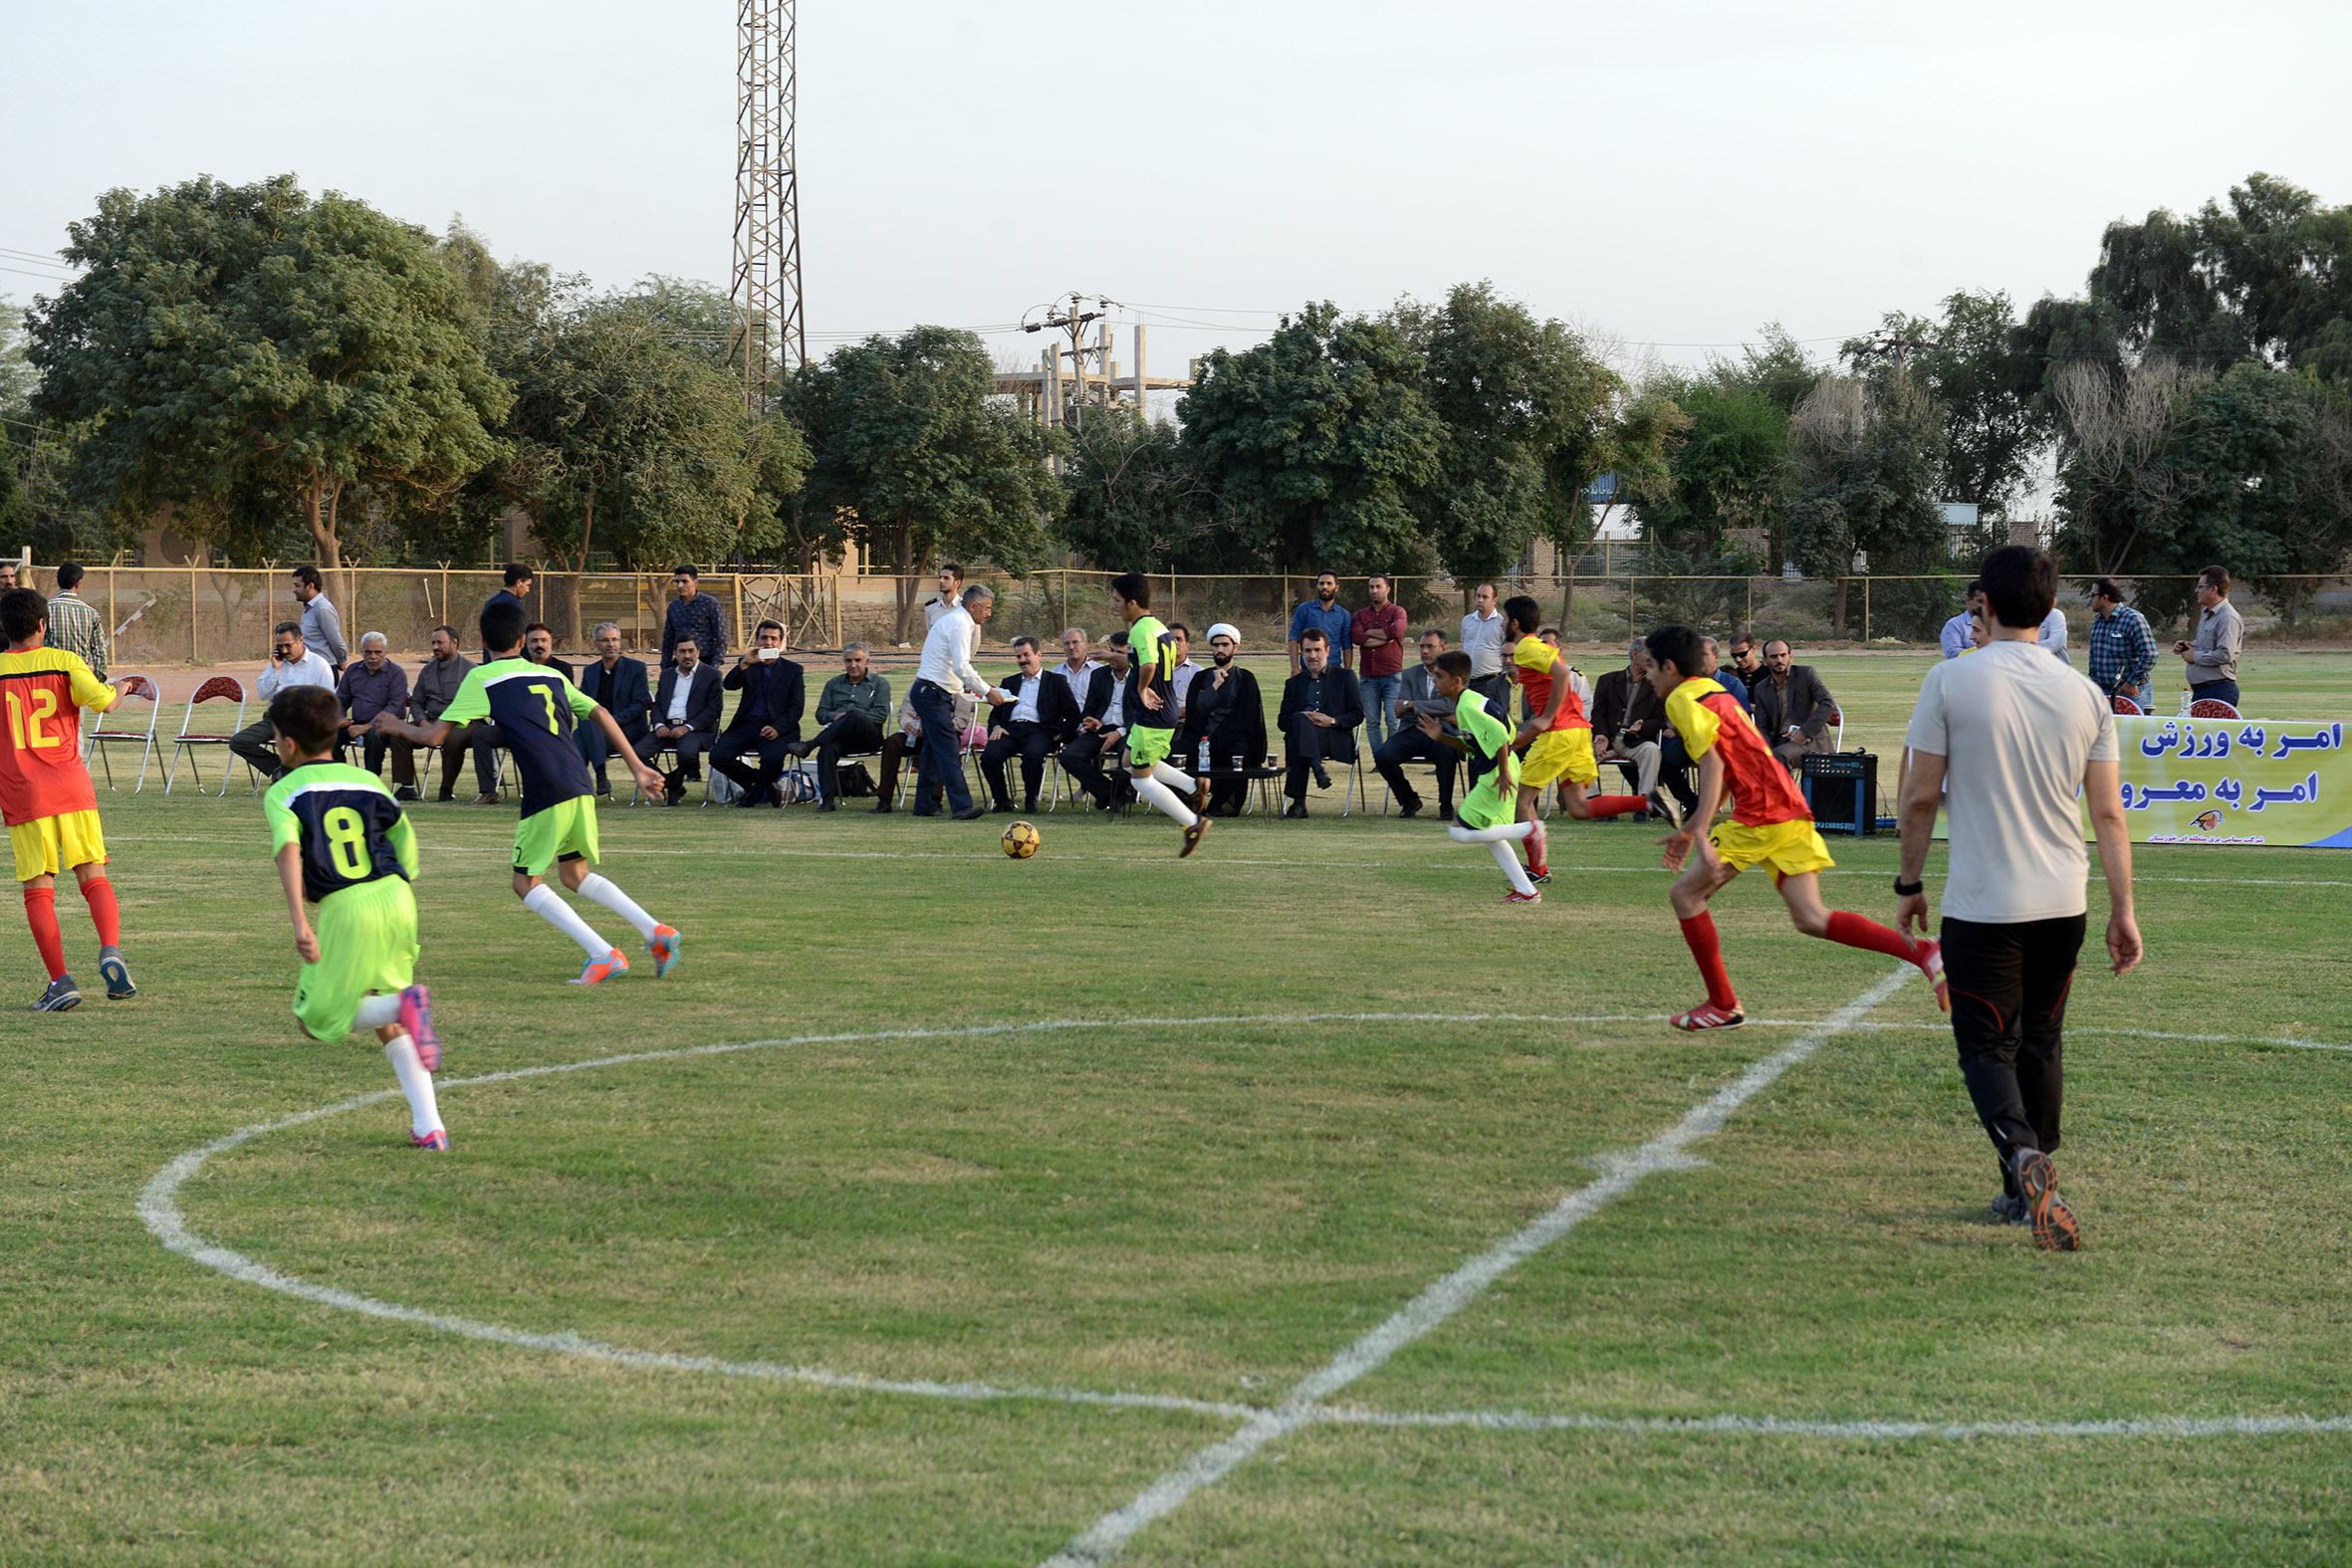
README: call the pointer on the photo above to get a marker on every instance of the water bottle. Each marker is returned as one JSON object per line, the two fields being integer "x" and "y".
{"x": 1204, "y": 753}
{"x": 2186, "y": 696}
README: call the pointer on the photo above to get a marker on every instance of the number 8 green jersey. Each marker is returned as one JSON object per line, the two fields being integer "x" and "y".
{"x": 349, "y": 827}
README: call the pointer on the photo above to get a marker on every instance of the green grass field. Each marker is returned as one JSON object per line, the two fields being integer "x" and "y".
{"x": 1209, "y": 1207}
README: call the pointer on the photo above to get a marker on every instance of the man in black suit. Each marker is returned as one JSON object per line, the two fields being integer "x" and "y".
{"x": 1223, "y": 708}
{"x": 766, "y": 721}
{"x": 1027, "y": 727}
{"x": 685, "y": 716}
{"x": 1793, "y": 707}
{"x": 617, "y": 683}
{"x": 1417, "y": 694}
{"x": 1321, "y": 706}
{"x": 1101, "y": 727}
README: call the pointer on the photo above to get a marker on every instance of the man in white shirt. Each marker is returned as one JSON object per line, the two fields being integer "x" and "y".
{"x": 291, "y": 664}
{"x": 2052, "y": 635}
{"x": 1181, "y": 676}
{"x": 2003, "y": 740}
{"x": 1481, "y": 639}
{"x": 1021, "y": 728}
{"x": 945, "y": 674}
{"x": 1954, "y": 638}
{"x": 951, "y": 590}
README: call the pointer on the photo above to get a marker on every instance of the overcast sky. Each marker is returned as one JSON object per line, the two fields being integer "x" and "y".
{"x": 1674, "y": 173}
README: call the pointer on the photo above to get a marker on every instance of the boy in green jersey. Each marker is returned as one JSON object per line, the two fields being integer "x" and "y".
{"x": 1152, "y": 718}
{"x": 343, "y": 842}
{"x": 1485, "y": 816}
{"x": 537, "y": 711}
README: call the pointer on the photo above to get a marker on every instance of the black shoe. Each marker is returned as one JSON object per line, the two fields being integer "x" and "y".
{"x": 445, "y": 796}
{"x": 1322, "y": 778}
{"x": 63, "y": 996}
{"x": 1409, "y": 810}
{"x": 2009, "y": 1208}
{"x": 673, "y": 792}
{"x": 1296, "y": 808}
{"x": 604, "y": 787}
{"x": 1031, "y": 804}
{"x": 826, "y": 804}
{"x": 882, "y": 806}
{"x": 971, "y": 813}
{"x": 924, "y": 811}
{"x": 407, "y": 792}
{"x": 1005, "y": 807}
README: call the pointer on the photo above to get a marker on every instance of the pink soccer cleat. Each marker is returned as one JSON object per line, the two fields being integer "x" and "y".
{"x": 1706, "y": 1015}
{"x": 663, "y": 945}
{"x": 436, "y": 1140}
{"x": 597, "y": 971}
{"x": 417, "y": 1017}
{"x": 1515, "y": 896}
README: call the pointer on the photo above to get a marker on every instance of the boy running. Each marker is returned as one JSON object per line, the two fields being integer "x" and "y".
{"x": 1152, "y": 713}
{"x": 536, "y": 710}
{"x": 46, "y": 796}
{"x": 1485, "y": 812}
{"x": 1556, "y": 742}
{"x": 343, "y": 842}
{"x": 1770, "y": 825}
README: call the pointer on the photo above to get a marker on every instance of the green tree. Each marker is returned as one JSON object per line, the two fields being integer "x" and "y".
{"x": 1727, "y": 469}
{"x": 1137, "y": 501}
{"x": 1976, "y": 366}
{"x": 234, "y": 347}
{"x": 1316, "y": 441}
{"x": 914, "y": 452}
{"x": 1869, "y": 461}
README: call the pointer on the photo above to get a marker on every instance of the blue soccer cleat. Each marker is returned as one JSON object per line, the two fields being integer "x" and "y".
{"x": 597, "y": 971}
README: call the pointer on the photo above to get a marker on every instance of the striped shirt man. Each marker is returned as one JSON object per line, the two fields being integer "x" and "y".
{"x": 75, "y": 626}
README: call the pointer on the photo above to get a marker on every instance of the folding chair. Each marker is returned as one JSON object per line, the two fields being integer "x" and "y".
{"x": 1355, "y": 781}
{"x": 100, "y": 735}
{"x": 2212, "y": 708}
{"x": 221, "y": 688}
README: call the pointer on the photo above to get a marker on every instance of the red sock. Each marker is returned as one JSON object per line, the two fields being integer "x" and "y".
{"x": 103, "y": 911}
{"x": 1614, "y": 805}
{"x": 41, "y": 915}
{"x": 1856, "y": 932}
{"x": 1699, "y": 932}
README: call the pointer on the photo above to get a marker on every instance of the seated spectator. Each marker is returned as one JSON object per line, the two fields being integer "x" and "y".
{"x": 433, "y": 690}
{"x": 1793, "y": 708}
{"x": 1321, "y": 706}
{"x": 618, "y": 685}
{"x": 1674, "y": 758}
{"x": 1417, "y": 694}
{"x": 766, "y": 721}
{"x": 1025, "y": 728}
{"x": 1954, "y": 638}
{"x": 685, "y": 716}
{"x": 291, "y": 664}
{"x": 1225, "y": 724}
{"x": 1626, "y": 718}
{"x": 538, "y": 647}
{"x": 851, "y": 713}
{"x": 371, "y": 686}
{"x": 1747, "y": 664}
{"x": 1185, "y": 666}
{"x": 1102, "y": 728}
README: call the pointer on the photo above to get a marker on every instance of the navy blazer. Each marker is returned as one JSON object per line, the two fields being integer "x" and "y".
{"x": 702, "y": 698}
{"x": 623, "y": 694}
{"x": 781, "y": 682}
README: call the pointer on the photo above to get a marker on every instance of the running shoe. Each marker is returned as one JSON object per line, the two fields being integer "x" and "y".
{"x": 663, "y": 945}
{"x": 1515, "y": 896}
{"x": 63, "y": 996}
{"x": 117, "y": 974}
{"x": 2055, "y": 1229}
{"x": 597, "y": 971}
{"x": 1666, "y": 806}
{"x": 2008, "y": 1210}
{"x": 417, "y": 1017}
{"x": 1193, "y": 835}
{"x": 1931, "y": 964}
{"x": 436, "y": 1140}
{"x": 1706, "y": 1015}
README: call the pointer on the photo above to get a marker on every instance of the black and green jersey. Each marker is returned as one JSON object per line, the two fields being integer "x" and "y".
{"x": 349, "y": 827}
{"x": 537, "y": 711}
{"x": 1151, "y": 650}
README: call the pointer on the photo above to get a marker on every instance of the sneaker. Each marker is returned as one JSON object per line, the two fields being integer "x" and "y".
{"x": 1931, "y": 964}
{"x": 1193, "y": 836}
{"x": 2010, "y": 1210}
{"x": 63, "y": 996}
{"x": 1538, "y": 863}
{"x": 436, "y": 1140}
{"x": 417, "y": 1016}
{"x": 117, "y": 974}
{"x": 663, "y": 945}
{"x": 2055, "y": 1228}
{"x": 971, "y": 813}
{"x": 1515, "y": 896}
{"x": 1706, "y": 1015}
{"x": 1667, "y": 806}
{"x": 597, "y": 971}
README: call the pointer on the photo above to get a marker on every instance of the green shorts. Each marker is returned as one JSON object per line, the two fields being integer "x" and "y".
{"x": 366, "y": 943}
{"x": 1147, "y": 746}
{"x": 1485, "y": 805}
{"x": 566, "y": 831}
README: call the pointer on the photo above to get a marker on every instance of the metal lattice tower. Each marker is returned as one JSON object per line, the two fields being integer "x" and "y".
{"x": 772, "y": 334}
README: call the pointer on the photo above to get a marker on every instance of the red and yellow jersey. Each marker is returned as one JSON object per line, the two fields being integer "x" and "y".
{"x": 1532, "y": 661}
{"x": 1707, "y": 718}
{"x": 42, "y": 693}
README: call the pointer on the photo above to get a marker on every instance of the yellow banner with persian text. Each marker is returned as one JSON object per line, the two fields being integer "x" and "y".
{"x": 2280, "y": 782}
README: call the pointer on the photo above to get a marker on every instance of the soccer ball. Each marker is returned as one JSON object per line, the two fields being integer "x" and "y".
{"x": 1021, "y": 840}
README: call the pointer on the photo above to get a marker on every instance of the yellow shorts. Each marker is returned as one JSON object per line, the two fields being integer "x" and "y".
{"x": 1790, "y": 848}
{"x": 1558, "y": 754}
{"x": 48, "y": 845}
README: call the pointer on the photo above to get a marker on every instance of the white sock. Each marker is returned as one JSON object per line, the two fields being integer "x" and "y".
{"x": 1509, "y": 833}
{"x": 543, "y": 902}
{"x": 1164, "y": 800}
{"x": 424, "y": 1115}
{"x": 1504, "y": 857}
{"x": 377, "y": 1011}
{"x": 1179, "y": 782}
{"x": 595, "y": 886}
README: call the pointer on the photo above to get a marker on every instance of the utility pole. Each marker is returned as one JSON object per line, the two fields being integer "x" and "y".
{"x": 1895, "y": 345}
{"x": 1074, "y": 320}
{"x": 770, "y": 332}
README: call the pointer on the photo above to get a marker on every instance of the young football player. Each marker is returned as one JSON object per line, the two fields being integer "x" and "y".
{"x": 1485, "y": 812}
{"x": 1556, "y": 742}
{"x": 1152, "y": 715}
{"x": 536, "y": 710}
{"x": 46, "y": 796}
{"x": 1770, "y": 825}
{"x": 343, "y": 842}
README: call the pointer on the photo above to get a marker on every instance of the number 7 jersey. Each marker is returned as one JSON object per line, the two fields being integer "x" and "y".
{"x": 349, "y": 827}
{"x": 42, "y": 693}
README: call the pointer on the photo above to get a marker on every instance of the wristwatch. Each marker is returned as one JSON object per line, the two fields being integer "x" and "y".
{"x": 1905, "y": 889}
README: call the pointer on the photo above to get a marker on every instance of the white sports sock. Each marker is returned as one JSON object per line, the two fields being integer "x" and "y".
{"x": 543, "y": 902}
{"x": 1164, "y": 801}
{"x": 595, "y": 886}
{"x": 1504, "y": 857}
{"x": 1509, "y": 833}
{"x": 1174, "y": 778}
{"x": 377, "y": 1011}
{"x": 425, "y": 1116}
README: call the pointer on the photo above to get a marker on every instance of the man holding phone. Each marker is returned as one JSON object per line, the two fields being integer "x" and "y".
{"x": 291, "y": 664}
{"x": 766, "y": 721}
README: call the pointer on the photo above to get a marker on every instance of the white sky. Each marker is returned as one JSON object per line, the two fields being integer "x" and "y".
{"x": 1676, "y": 173}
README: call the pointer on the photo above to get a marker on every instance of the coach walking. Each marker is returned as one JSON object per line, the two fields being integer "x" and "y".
{"x": 945, "y": 675}
{"x": 2004, "y": 741}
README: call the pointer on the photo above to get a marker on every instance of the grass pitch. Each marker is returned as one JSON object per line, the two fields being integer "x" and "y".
{"x": 1204, "y": 1209}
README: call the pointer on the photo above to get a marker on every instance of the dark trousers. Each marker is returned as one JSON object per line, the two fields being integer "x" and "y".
{"x": 1029, "y": 742}
{"x": 2009, "y": 1014}
{"x": 1083, "y": 760}
{"x": 755, "y": 781}
{"x": 372, "y": 748}
{"x": 257, "y": 744}
{"x": 597, "y": 750}
{"x": 1411, "y": 746}
{"x": 486, "y": 741}
{"x": 1314, "y": 742}
{"x": 1674, "y": 772}
{"x": 689, "y": 747}
{"x": 850, "y": 734}
{"x": 452, "y": 752}
{"x": 942, "y": 749}
{"x": 2218, "y": 690}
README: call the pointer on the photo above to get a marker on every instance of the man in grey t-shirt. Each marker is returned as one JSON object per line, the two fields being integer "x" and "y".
{"x": 2011, "y": 734}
